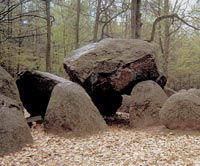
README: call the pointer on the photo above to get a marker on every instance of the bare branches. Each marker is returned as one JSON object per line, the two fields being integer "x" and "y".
{"x": 172, "y": 16}
{"x": 106, "y": 23}
{"x": 31, "y": 35}
{"x": 26, "y": 15}
{"x": 4, "y": 12}
{"x": 110, "y": 20}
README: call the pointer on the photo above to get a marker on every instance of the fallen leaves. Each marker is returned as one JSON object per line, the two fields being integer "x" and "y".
{"x": 116, "y": 147}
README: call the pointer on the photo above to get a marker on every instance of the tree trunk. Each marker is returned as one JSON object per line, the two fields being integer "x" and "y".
{"x": 78, "y": 11}
{"x": 166, "y": 39}
{"x": 9, "y": 31}
{"x": 48, "y": 49}
{"x": 106, "y": 17}
{"x": 126, "y": 25}
{"x": 135, "y": 19}
{"x": 64, "y": 41}
{"x": 96, "y": 25}
{"x": 160, "y": 27}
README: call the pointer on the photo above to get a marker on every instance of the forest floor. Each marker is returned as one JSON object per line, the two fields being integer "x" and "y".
{"x": 119, "y": 146}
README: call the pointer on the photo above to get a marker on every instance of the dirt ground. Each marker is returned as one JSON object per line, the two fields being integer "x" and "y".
{"x": 119, "y": 146}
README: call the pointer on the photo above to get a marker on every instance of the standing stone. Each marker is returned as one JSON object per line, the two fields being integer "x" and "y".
{"x": 14, "y": 131}
{"x": 35, "y": 90}
{"x": 112, "y": 67}
{"x": 147, "y": 98}
{"x": 71, "y": 111}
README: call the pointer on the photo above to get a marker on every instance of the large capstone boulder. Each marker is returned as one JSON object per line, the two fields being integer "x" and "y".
{"x": 71, "y": 111}
{"x": 147, "y": 98}
{"x": 112, "y": 67}
{"x": 181, "y": 111}
{"x": 35, "y": 90}
{"x": 14, "y": 131}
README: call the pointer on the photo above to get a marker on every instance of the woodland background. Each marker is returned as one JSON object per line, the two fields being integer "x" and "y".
{"x": 39, "y": 34}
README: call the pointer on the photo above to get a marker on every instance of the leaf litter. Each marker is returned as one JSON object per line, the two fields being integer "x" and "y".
{"x": 119, "y": 146}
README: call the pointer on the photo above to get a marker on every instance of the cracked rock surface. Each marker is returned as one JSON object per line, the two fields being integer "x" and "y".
{"x": 111, "y": 68}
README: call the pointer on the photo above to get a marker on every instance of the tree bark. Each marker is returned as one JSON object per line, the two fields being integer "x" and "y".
{"x": 135, "y": 19}
{"x": 166, "y": 46}
{"x": 78, "y": 11}
{"x": 96, "y": 25}
{"x": 126, "y": 25}
{"x": 48, "y": 49}
{"x": 106, "y": 17}
{"x": 160, "y": 27}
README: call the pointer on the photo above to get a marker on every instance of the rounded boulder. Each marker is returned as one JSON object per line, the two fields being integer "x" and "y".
{"x": 71, "y": 111}
{"x": 147, "y": 98}
{"x": 14, "y": 131}
{"x": 181, "y": 111}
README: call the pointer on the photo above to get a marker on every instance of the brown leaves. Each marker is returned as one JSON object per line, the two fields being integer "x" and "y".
{"x": 118, "y": 146}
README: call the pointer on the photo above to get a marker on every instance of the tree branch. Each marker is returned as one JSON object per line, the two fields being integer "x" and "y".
{"x": 4, "y": 12}
{"x": 108, "y": 21}
{"x": 157, "y": 20}
{"x": 25, "y": 15}
{"x": 24, "y": 36}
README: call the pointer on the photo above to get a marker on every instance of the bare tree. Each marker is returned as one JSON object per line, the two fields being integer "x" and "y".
{"x": 48, "y": 49}
{"x": 96, "y": 25}
{"x": 108, "y": 20}
{"x": 135, "y": 19}
{"x": 172, "y": 22}
{"x": 78, "y": 12}
{"x": 166, "y": 44}
{"x": 7, "y": 8}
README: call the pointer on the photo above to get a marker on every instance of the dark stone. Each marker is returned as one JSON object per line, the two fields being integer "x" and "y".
{"x": 161, "y": 80}
{"x": 111, "y": 68}
{"x": 35, "y": 90}
{"x": 14, "y": 131}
